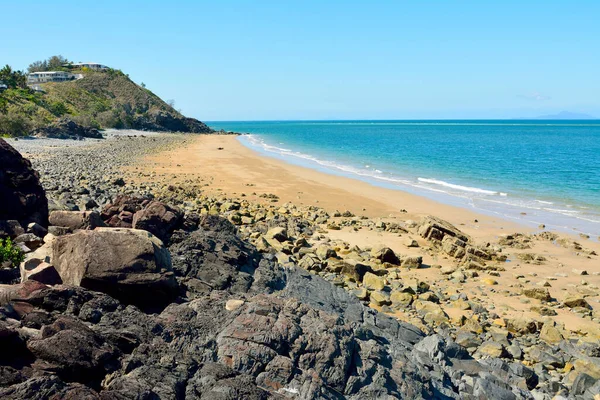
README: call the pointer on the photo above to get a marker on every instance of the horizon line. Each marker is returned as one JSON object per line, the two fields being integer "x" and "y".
{"x": 405, "y": 119}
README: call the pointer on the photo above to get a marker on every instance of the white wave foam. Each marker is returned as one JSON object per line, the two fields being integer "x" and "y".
{"x": 460, "y": 187}
{"x": 545, "y": 202}
{"x": 561, "y": 211}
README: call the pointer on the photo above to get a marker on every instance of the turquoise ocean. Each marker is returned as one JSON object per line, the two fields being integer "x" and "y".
{"x": 532, "y": 171}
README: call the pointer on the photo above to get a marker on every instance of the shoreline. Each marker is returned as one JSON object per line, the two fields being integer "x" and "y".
{"x": 375, "y": 201}
{"x": 531, "y": 213}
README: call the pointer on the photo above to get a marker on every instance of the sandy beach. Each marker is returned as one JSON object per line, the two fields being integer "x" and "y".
{"x": 222, "y": 166}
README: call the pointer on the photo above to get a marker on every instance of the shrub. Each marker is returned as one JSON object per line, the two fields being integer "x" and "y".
{"x": 8, "y": 252}
{"x": 58, "y": 108}
{"x": 13, "y": 124}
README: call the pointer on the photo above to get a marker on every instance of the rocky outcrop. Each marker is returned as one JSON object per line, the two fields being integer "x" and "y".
{"x": 131, "y": 265}
{"x": 293, "y": 335}
{"x": 457, "y": 244}
{"x": 160, "y": 120}
{"x": 213, "y": 257}
{"x": 22, "y": 198}
{"x": 67, "y": 129}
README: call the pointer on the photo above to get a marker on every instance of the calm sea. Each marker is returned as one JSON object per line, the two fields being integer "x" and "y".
{"x": 532, "y": 171}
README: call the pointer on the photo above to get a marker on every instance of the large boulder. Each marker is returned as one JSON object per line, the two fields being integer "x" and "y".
{"x": 21, "y": 195}
{"x": 130, "y": 265}
{"x": 157, "y": 218}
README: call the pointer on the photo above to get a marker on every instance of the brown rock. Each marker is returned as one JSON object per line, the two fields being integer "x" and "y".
{"x": 385, "y": 255}
{"x": 380, "y": 298}
{"x": 576, "y": 301}
{"x": 373, "y": 282}
{"x": 128, "y": 264}
{"x": 119, "y": 214}
{"x": 537, "y": 293}
{"x": 278, "y": 233}
{"x": 412, "y": 262}
{"x": 453, "y": 246}
{"x": 435, "y": 228}
{"x": 550, "y": 333}
{"x": 158, "y": 219}
{"x": 492, "y": 349}
{"x": 324, "y": 252}
{"x": 75, "y": 220}
{"x": 521, "y": 325}
{"x": 401, "y": 298}
{"x": 9, "y": 293}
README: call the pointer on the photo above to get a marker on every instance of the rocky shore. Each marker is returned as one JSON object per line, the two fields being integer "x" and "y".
{"x": 136, "y": 288}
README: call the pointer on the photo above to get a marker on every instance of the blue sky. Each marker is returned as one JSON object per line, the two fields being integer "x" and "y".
{"x": 255, "y": 60}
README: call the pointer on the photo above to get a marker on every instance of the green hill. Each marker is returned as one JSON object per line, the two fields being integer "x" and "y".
{"x": 106, "y": 99}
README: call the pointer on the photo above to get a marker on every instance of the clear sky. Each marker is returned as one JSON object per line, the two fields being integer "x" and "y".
{"x": 255, "y": 60}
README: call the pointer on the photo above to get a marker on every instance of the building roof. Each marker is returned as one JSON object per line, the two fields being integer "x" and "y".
{"x": 86, "y": 63}
{"x": 48, "y": 72}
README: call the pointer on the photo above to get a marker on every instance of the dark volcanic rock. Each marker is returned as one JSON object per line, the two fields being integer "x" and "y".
{"x": 215, "y": 255}
{"x": 292, "y": 335}
{"x": 73, "y": 351}
{"x": 22, "y": 198}
{"x": 159, "y": 120}
{"x": 10, "y": 228}
{"x": 67, "y": 129}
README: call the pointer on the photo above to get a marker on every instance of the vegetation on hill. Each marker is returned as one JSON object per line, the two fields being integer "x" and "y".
{"x": 101, "y": 100}
{"x": 54, "y": 63}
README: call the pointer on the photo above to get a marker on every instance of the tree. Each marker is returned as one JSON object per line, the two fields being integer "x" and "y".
{"x": 37, "y": 66}
{"x": 13, "y": 79}
{"x": 56, "y": 62}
